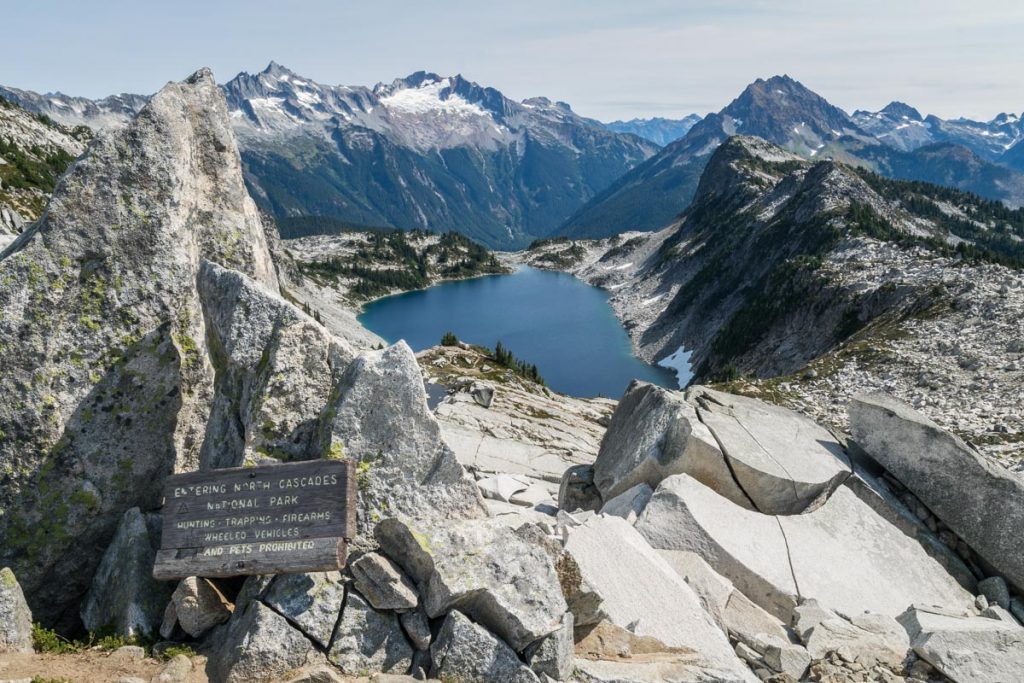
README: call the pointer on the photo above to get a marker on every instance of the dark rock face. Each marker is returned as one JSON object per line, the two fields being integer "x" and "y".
{"x": 124, "y": 597}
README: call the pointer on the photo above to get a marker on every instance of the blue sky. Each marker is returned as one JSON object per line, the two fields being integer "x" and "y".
{"x": 608, "y": 59}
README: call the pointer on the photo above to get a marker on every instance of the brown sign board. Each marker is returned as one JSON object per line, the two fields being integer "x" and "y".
{"x": 275, "y": 519}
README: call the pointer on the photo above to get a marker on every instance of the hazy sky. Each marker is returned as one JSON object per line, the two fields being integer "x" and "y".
{"x": 607, "y": 59}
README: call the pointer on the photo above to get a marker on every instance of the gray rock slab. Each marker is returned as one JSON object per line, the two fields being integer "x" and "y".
{"x": 655, "y": 433}
{"x": 642, "y": 592}
{"x": 784, "y": 462}
{"x": 383, "y": 583}
{"x": 843, "y": 554}
{"x": 15, "y": 616}
{"x": 276, "y": 369}
{"x": 875, "y": 493}
{"x": 482, "y": 393}
{"x": 100, "y": 297}
{"x": 867, "y": 639}
{"x": 981, "y": 502}
{"x": 967, "y": 649}
{"x": 807, "y": 615}
{"x": 644, "y": 670}
{"x": 368, "y": 640}
{"x": 852, "y": 560}
{"x": 481, "y": 568}
{"x": 735, "y": 614}
{"x": 552, "y": 655}
{"x": 630, "y": 503}
{"x": 784, "y": 657}
{"x": 746, "y": 547}
{"x": 311, "y": 601}
{"x": 417, "y": 628}
{"x": 315, "y": 674}
{"x": 465, "y": 651}
{"x": 502, "y": 486}
{"x": 177, "y": 670}
{"x": 712, "y": 589}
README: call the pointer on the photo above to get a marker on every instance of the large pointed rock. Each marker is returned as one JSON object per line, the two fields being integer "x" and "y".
{"x": 15, "y": 616}
{"x": 643, "y": 594}
{"x": 981, "y": 502}
{"x": 105, "y": 385}
{"x": 368, "y": 640}
{"x": 654, "y": 433}
{"x": 482, "y": 569}
{"x": 843, "y": 554}
{"x": 124, "y": 597}
{"x": 467, "y": 652}
{"x": 380, "y": 418}
{"x": 784, "y": 462}
{"x": 276, "y": 370}
{"x": 258, "y": 645}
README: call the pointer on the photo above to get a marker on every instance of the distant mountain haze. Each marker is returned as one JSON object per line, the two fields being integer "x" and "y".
{"x": 658, "y": 130}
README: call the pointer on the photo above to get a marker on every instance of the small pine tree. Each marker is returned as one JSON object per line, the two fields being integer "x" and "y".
{"x": 449, "y": 339}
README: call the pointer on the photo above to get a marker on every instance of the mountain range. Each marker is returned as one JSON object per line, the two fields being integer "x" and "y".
{"x": 424, "y": 151}
{"x": 445, "y": 153}
{"x": 895, "y": 142}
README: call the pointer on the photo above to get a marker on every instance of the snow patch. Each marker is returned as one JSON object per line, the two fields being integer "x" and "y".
{"x": 427, "y": 98}
{"x": 679, "y": 362}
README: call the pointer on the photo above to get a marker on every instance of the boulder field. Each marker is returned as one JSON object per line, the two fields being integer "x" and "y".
{"x": 147, "y": 331}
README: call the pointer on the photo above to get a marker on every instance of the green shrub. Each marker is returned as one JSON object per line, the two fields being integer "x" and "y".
{"x": 46, "y": 640}
{"x": 175, "y": 650}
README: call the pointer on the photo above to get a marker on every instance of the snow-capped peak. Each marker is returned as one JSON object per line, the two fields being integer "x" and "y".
{"x": 432, "y": 94}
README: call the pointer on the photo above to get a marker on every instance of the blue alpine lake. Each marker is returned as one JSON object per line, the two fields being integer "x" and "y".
{"x": 562, "y": 325}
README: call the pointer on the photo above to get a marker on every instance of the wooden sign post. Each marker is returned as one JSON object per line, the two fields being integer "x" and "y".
{"x": 275, "y": 519}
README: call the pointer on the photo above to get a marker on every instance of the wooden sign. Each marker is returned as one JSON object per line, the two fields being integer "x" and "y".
{"x": 276, "y": 519}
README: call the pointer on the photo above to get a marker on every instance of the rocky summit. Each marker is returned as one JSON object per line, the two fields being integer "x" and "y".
{"x": 150, "y": 326}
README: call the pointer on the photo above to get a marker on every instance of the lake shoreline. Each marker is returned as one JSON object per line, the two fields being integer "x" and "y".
{"x": 551, "y": 319}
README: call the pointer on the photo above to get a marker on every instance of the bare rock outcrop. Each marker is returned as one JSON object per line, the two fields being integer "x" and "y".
{"x": 106, "y": 383}
{"x": 378, "y": 415}
{"x": 843, "y": 554}
{"x": 15, "y": 616}
{"x": 981, "y": 502}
